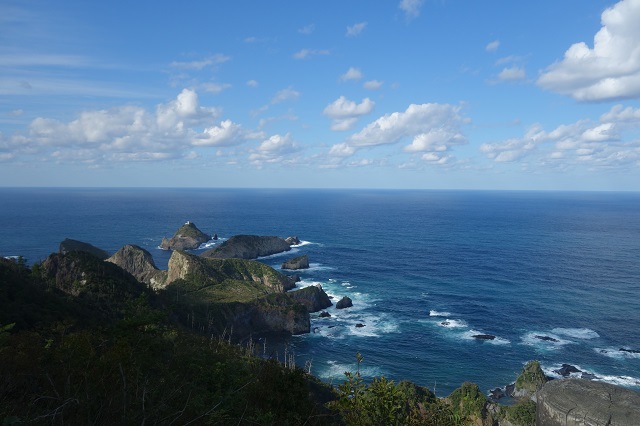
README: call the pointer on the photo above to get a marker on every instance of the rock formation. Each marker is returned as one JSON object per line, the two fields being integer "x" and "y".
{"x": 313, "y": 297}
{"x": 293, "y": 241}
{"x": 343, "y": 303}
{"x": 300, "y": 262}
{"x": 530, "y": 380}
{"x": 139, "y": 263}
{"x": 188, "y": 237}
{"x": 248, "y": 247}
{"x": 484, "y": 336}
{"x": 584, "y": 402}
{"x": 69, "y": 245}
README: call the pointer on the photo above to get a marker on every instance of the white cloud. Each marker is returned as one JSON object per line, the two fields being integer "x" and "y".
{"x": 345, "y": 113}
{"x": 373, "y": 84}
{"x": 252, "y": 83}
{"x": 215, "y": 87}
{"x": 288, "y": 94}
{"x": 513, "y": 73}
{"x": 307, "y": 53}
{"x": 201, "y": 64}
{"x": 129, "y": 133}
{"x": 276, "y": 149}
{"x": 351, "y": 74}
{"x": 608, "y": 71}
{"x": 411, "y": 8}
{"x": 355, "y": 29}
{"x": 492, "y": 46}
{"x": 431, "y": 127}
{"x": 307, "y": 29}
{"x": 611, "y": 142}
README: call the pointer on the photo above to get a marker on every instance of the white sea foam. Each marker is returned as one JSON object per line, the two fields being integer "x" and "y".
{"x": 616, "y": 353}
{"x": 626, "y": 381}
{"x": 533, "y": 339}
{"x": 576, "y": 333}
{"x": 335, "y": 370}
{"x": 433, "y": 313}
{"x": 303, "y": 243}
{"x": 452, "y": 323}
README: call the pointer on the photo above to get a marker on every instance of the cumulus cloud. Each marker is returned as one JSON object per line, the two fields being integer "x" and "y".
{"x": 492, "y": 46}
{"x": 608, "y": 71}
{"x": 129, "y": 133}
{"x": 373, "y": 84}
{"x": 345, "y": 113}
{"x": 411, "y": 8}
{"x": 429, "y": 127}
{"x": 513, "y": 73}
{"x": 275, "y": 149}
{"x": 355, "y": 29}
{"x": 351, "y": 74}
{"x": 610, "y": 142}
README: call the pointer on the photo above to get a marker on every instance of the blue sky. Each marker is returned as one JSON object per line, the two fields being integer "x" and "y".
{"x": 387, "y": 94}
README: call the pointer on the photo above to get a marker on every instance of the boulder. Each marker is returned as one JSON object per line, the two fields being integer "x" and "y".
{"x": 300, "y": 262}
{"x": 484, "y": 336}
{"x": 248, "y": 247}
{"x": 69, "y": 245}
{"x": 585, "y": 402}
{"x": 359, "y": 325}
{"x": 566, "y": 370}
{"x": 325, "y": 314}
{"x": 313, "y": 297}
{"x": 188, "y": 237}
{"x": 547, "y": 339}
{"x": 293, "y": 241}
{"x": 343, "y": 303}
{"x": 139, "y": 263}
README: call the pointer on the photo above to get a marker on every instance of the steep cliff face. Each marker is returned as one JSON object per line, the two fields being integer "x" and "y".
{"x": 139, "y": 263}
{"x": 183, "y": 265}
{"x": 300, "y": 262}
{"x": 235, "y": 296}
{"x": 530, "y": 380}
{"x": 569, "y": 402}
{"x": 248, "y": 247}
{"x": 188, "y": 237}
{"x": 313, "y": 297}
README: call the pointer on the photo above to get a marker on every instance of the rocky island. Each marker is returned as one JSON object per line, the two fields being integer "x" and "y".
{"x": 188, "y": 237}
{"x": 250, "y": 247}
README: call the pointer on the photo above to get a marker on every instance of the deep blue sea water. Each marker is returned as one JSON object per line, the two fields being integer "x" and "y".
{"x": 426, "y": 270}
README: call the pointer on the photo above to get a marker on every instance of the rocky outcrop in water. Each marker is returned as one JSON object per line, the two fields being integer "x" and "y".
{"x": 313, "y": 297}
{"x": 344, "y": 303}
{"x": 248, "y": 247}
{"x": 139, "y": 263}
{"x": 530, "y": 380}
{"x": 188, "y": 237}
{"x": 300, "y": 262}
{"x": 585, "y": 402}
{"x": 69, "y": 245}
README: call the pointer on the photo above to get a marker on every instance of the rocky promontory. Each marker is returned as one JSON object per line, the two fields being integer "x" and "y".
{"x": 188, "y": 237}
{"x": 248, "y": 247}
{"x": 69, "y": 245}
{"x": 139, "y": 263}
{"x": 344, "y": 303}
{"x": 300, "y": 262}
{"x": 313, "y": 297}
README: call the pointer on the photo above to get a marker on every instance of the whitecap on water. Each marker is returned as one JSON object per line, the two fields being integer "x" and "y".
{"x": 544, "y": 340}
{"x": 625, "y": 381}
{"x": 576, "y": 333}
{"x": 433, "y": 313}
{"x": 619, "y": 352}
{"x": 335, "y": 370}
{"x": 469, "y": 335}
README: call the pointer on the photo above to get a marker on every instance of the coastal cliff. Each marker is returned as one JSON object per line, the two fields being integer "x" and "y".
{"x": 248, "y": 247}
{"x": 139, "y": 263}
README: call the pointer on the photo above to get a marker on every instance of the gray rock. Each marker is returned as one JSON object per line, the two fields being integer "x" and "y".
{"x": 300, "y": 262}
{"x": 248, "y": 247}
{"x": 484, "y": 336}
{"x": 293, "y": 241}
{"x": 139, "y": 263}
{"x": 343, "y": 303}
{"x": 313, "y": 297}
{"x": 584, "y": 402}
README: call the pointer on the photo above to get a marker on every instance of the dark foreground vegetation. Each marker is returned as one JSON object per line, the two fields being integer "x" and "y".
{"x": 101, "y": 348}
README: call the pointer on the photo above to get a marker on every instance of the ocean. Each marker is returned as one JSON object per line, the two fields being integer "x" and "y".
{"x": 554, "y": 276}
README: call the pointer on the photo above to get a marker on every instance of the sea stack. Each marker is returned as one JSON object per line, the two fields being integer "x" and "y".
{"x": 188, "y": 237}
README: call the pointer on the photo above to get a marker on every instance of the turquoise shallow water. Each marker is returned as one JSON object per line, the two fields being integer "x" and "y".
{"x": 426, "y": 270}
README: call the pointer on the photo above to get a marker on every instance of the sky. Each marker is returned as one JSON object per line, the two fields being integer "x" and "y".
{"x": 433, "y": 94}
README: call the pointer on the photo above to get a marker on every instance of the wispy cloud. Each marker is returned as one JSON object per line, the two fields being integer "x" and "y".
{"x": 355, "y": 29}
{"x": 307, "y": 53}
{"x": 411, "y": 8}
{"x": 351, "y": 74}
{"x": 492, "y": 46}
